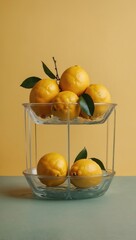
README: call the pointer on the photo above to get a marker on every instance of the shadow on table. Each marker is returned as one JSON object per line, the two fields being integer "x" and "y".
{"x": 22, "y": 192}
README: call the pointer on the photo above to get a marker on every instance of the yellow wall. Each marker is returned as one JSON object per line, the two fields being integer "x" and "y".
{"x": 98, "y": 35}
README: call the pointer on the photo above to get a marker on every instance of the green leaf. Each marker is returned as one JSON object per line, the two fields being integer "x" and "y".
{"x": 86, "y": 104}
{"x": 48, "y": 71}
{"x": 82, "y": 154}
{"x": 30, "y": 82}
{"x": 99, "y": 162}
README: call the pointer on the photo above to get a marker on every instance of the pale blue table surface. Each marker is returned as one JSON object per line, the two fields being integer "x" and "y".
{"x": 109, "y": 217}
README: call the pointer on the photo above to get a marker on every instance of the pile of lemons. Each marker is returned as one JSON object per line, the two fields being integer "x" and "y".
{"x": 52, "y": 169}
{"x": 66, "y": 93}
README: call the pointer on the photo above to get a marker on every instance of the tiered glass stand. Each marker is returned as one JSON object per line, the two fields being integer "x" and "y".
{"x": 52, "y": 134}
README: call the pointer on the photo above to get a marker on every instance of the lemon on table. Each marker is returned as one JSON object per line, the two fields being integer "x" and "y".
{"x": 74, "y": 79}
{"x": 99, "y": 94}
{"x": 43, "y": 92}
{"x": 65, "y": 105}
{"x": 85, "y": 173}
{"x": 52, "y": 165}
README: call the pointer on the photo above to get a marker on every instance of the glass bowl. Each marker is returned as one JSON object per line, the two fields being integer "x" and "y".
{"x": 67, "y": 190}
{"x": 31, "y": 108}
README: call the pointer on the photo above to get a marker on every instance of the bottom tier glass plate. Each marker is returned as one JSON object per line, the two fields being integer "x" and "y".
{"x": 67, "y": 191}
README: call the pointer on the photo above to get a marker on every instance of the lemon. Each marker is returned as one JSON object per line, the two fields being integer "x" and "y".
{"x": 100, "y": 94}
{"x": 85, "y": 173}
{"x": 54, "y": 166}
{"x": 43, "y": 92}
{"x": 66, "y": 105}
{"x": 74, "y": 79}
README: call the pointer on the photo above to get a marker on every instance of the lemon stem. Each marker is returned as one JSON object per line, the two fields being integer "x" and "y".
{"x": 56, "y": 69}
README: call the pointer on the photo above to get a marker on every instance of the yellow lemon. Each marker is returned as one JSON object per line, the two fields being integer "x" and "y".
{"x": 43, "y": 92}
{"x": 100, "y": 94}
{"x": 53, "y": 169}
{"x": 85, "y": 173}
{"x": 65, "y": 105}
{"x": 74, "y": 79}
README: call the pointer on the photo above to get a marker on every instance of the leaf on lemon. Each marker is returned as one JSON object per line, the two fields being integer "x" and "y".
{"x": 86, "y": 104}
{"x": 99, "y": 162}
{"x": 30, "y": 82}
{"x": 48, "y": 71}
{"x": 82, "y": 154}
